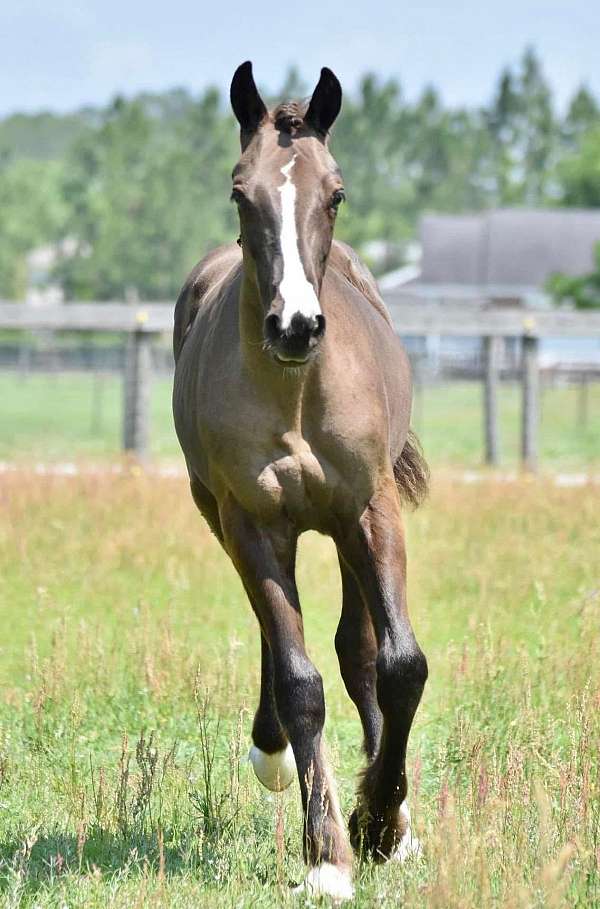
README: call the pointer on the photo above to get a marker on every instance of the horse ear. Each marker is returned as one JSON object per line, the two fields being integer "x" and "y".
{"x": 247, "y": 104}
{"x": 325, "y": 102}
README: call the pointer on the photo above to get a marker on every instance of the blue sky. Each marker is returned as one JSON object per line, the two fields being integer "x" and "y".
{"x": 60, "y": 54}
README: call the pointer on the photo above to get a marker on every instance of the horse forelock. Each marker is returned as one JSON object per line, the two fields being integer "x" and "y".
{"x": 289, "y": 116}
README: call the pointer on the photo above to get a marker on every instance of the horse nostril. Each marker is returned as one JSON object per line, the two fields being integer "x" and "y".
{"x": 308, "y": 328}
{"x": 319, "y": 329}
{"x": 272, "y": 327}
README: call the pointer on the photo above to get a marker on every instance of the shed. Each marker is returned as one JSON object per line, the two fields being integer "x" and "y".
{"x": 505, "y": 255}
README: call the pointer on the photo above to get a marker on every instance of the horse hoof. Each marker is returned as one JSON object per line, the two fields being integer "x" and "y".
{"x": 275, "y": 771}
{"x": 328, "y": 880}
{"x": 370, "y": 839}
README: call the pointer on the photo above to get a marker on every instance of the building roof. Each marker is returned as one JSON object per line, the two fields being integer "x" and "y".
{"x": 508, "y": 248}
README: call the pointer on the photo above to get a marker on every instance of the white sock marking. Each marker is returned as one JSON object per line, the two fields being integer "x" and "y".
{"x": 409, "y": 845}
{"x": 275, "y": 771}
{"x": 297, "y": 292}
{"x": 328, "y": 880}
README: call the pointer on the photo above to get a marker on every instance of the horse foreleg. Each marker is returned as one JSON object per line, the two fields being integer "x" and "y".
{"x": 264, "y": 558}
{"x": 271, "y": 754}
{"x": 375, "y": 552}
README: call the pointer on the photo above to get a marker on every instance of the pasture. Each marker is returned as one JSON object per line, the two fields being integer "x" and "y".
{"x": 129, "y": 664}
{"x": 66, "y": 415}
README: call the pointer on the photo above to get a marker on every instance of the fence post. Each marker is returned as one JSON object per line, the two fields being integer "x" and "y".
{"x": 97, "y": 402}
{"x": 530, "y": 403}
{"x": 136, "y": 393}
{"x": 583, "y": 400}
{"x": 491, "y": 351}
{"x": 417, "y": 374}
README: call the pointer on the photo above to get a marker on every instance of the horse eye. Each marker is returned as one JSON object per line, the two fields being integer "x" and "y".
{"x": 336, "y": 200}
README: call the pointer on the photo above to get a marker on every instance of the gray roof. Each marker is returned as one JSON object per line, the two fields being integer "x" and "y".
{"x": 508, "y": 247}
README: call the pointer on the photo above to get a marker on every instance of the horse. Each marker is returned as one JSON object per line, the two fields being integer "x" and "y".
{"x": 291, "y": 400}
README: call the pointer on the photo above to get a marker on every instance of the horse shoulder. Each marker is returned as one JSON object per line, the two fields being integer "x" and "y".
{"x": 370, "y": 376}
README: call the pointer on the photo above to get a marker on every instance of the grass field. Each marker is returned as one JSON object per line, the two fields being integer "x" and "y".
{"x": 129, "y": 674}
{"x": 63, "y": 416}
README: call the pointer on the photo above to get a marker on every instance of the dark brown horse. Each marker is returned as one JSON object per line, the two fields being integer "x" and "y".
{"x": 292, "y": 403}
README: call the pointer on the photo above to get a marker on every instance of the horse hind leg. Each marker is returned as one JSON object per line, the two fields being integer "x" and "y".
{"x": 375, "y": 550}
{"x": 356, "y": 647}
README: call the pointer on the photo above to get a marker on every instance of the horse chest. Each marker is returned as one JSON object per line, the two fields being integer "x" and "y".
{"x": 296, "y": 481}
{"x": 298, "y": 471}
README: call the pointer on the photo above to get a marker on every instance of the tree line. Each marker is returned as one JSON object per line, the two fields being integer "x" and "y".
{"x": 142, "y": 186}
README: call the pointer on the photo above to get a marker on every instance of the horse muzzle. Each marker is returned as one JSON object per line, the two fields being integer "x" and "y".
{"x": 294, "y": 345}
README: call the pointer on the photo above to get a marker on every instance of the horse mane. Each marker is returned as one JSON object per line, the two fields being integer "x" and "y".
{"x": 346, "y": 262}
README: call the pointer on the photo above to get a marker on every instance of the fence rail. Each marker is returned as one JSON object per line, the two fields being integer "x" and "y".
{"x": 149, "y": 318}
{"x": 412, "y": 316}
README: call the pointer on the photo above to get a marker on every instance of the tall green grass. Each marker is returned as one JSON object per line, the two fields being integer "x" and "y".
{"x": 129, "y": 674}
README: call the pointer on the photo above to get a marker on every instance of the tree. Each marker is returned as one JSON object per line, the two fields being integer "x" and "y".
{"x": 579, "y": 174}
{"x": 583, "y": 292}
{"x": 524, "y": 133}
{"x": 148, "y": 201}
{"x": 369, "y": 145}
{"x": 32, "y": 212}
{"x": 144, "y": 186}
{"x": 583, "y": 115}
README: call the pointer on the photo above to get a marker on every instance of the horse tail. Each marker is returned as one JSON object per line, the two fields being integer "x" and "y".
{"x": 411, "y": 472}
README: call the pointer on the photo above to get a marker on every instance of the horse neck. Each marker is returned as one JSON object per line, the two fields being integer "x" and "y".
{"x": 251, "y": 318}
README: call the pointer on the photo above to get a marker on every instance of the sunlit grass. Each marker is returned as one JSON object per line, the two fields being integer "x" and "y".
{"x": 126, "y": 641}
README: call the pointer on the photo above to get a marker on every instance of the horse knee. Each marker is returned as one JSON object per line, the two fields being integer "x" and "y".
{"x": 300, "y": 697}
{"x": 401, "y": 676}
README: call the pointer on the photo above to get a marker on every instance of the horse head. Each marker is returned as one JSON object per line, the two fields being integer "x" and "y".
{"x": 288, "y": 188}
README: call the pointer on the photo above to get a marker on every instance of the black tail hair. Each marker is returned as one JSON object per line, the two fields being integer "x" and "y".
{"x": 412, "y": 473}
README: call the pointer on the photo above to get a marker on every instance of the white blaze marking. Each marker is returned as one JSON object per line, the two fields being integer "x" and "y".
{"x": 297, "y": 292}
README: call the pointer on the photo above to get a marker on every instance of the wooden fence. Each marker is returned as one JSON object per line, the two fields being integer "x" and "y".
{"x": 141, "y": 324}
{"x": 412, "y": 316}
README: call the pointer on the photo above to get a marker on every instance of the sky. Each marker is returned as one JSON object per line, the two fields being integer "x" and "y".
{"x": 60, "y": 55}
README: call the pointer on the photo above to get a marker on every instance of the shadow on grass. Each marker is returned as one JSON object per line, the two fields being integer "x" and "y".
{"x": 39, "y": 861}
